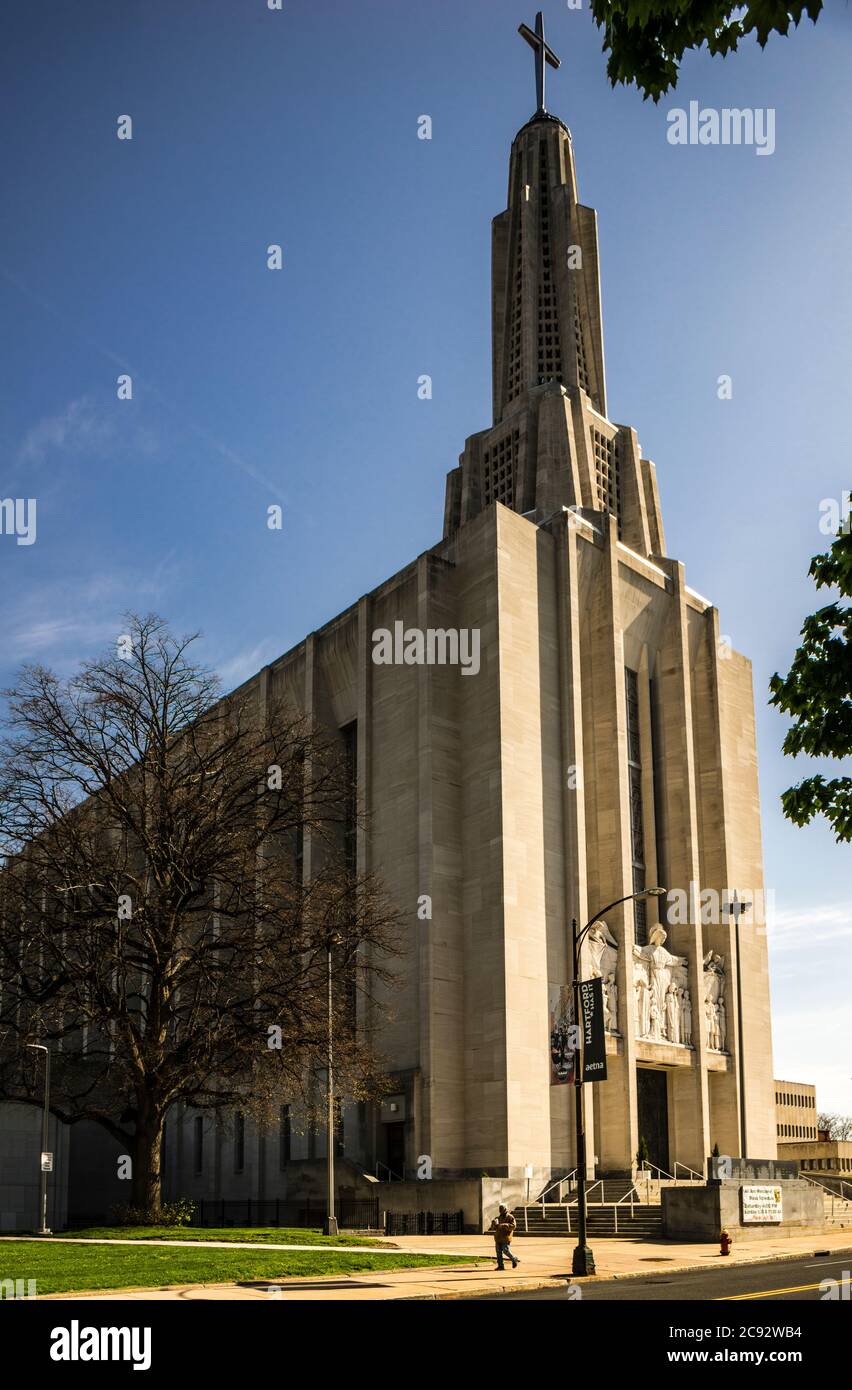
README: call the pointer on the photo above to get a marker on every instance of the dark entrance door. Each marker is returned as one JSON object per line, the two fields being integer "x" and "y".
{"x": 395, "y": 1148}
{"x": 653, "y": 1108}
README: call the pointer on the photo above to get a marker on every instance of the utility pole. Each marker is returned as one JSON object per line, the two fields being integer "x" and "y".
{"x": 330, "y": 1224}
{"x": 44, "y": 1229}
{"x": 584, "y": 1261}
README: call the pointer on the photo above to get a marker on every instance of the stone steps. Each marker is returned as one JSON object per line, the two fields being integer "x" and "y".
{"x": 837, "y": 1211}
{"x": 602, "y": 1220}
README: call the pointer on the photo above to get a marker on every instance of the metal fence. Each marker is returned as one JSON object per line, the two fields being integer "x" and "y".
{"x": 352, "y": 1214}
{"x": 424, "y": 1223}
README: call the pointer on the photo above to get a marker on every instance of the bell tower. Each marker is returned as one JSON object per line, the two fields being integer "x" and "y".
{"x": 551, "y": 444}
{"x": 545, "y": 292}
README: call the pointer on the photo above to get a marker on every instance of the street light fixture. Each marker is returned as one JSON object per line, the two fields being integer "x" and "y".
{"x": 44, "y": 1230}
{"x": 583, "y": 1260}
{"x": 736, "y": 908}
{"x": 330, "y": 1227}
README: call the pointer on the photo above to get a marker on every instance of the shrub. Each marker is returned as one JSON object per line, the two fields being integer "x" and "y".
{"x": 170, "y": 1214}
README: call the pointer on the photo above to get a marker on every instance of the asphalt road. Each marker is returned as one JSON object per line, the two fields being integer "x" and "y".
{"x": 772, "y": 1282}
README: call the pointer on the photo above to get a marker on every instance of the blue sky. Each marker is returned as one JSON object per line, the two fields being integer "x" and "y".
{"x": 253, "y": 387}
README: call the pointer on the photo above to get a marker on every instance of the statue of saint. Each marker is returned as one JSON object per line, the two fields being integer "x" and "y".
{"x": 673, "y": 1014}
{"x": 685, "y": 1017}
{"x": 602, "y": 949}
{"x": 643, "y": 1012}
{"x": 611, "y": 996}
{"x": 663, "y": 970}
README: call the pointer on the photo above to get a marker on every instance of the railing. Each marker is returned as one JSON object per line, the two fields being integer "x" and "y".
{"x": 424, "y": 1223}
{"x": 650, "y": 1168}
{"x": 352, "y": 1213}
{"x": 631, "y": 1195}
{"x": 391, "y": 1175}
{"x": 829, "y": 1191}
{"x": 590, "y": 1189}
{"x": 661, "y": 1172}
{"x": 557, "y": 1182}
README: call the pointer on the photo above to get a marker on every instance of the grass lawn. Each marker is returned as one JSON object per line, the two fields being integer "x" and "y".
{"x": 266, "y": 1235}
{"x": 60, "y": 1268}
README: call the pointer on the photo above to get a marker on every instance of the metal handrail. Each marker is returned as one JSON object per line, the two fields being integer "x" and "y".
{"x": 661, "y": 1172}
{"x": 557, "y": 1182}
{"x": 632, "y": 1197}
{"x": 692, "y": 1171}
{"x": 615, "y": 1205}
{"x": 391, "y": 1174}
{"x": 572, "y": 1201}
{"x": 830, "y": 1190}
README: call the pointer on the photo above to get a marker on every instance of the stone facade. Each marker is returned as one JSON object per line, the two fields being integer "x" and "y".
{"x": 597, "y": 739}
{"x": 604, "y": 744}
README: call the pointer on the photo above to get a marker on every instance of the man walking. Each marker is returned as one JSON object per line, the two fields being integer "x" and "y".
{"x": 503, "y": 1228}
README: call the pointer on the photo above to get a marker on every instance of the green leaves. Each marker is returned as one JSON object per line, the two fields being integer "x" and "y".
{"x": 817, "y": 693}
{"x": 646, "y": 39}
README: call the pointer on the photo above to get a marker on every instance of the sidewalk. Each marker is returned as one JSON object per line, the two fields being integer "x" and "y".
{"x": 545, "y": 1263}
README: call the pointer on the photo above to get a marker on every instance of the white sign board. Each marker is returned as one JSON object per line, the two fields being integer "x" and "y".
{"x": 761, "y": 1204}
{"x": 47, "y": 1163}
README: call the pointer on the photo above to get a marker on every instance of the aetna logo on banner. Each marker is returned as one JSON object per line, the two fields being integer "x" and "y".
{"x": 76, "y": 1343}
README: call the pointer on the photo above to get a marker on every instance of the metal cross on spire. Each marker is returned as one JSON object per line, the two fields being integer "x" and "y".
{"x": 543, "y": 54}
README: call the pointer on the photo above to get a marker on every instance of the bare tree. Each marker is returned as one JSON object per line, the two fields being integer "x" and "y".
{"x": 157, "y": 928}
{"x": 839, "y": 1126}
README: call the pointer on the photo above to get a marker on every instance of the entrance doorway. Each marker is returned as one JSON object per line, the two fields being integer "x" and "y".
{"x": 395, "y": 1148}
{"x": 653, "y": 1108}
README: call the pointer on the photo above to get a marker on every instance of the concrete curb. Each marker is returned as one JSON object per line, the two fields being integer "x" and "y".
{"x": 626, "y": 1274}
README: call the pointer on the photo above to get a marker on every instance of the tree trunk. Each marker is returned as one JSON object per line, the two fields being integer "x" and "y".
{"x": 147, "y": 1192}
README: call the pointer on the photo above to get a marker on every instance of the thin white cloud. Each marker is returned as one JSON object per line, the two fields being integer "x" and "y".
{"x": 81, "y": 428}
{"x": 246, "y": 663}
{"x": 61, "y": 624}
{"x": 794, "y": 929}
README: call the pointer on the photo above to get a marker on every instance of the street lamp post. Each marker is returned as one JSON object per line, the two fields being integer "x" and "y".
{"x": 583, "y": 1261}
{"x": 44, "y": 1229}
{"x": 330, "y": 1224}
{"x": 736, "y": 908}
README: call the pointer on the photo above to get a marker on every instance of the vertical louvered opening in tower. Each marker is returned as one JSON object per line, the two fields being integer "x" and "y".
{"x": 514, "y": 375}
{"x": 582, "y": 368}
{"x": 549, "y": 347}
{"x": 500, "y": 468}
{"x": 607, "y": 474}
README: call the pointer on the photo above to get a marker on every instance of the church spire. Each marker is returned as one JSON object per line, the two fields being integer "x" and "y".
{"x": 546, "y": 311}
{"x": 551, "y": 444}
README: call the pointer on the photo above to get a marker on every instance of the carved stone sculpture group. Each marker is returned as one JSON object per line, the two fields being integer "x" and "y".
{"x": 662, "y": 1000}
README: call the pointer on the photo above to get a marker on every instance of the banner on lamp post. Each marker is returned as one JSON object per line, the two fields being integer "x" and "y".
{"x": 564, "y": 1037}
{"x": 594, "y": 1031}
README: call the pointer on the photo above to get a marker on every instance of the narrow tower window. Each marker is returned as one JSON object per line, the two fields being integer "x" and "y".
{"x": 549, "y": 348}
{"x": 637, "y": 834}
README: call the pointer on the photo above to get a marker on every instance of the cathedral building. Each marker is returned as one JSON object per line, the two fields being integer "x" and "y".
{"x": 543, "y": 718}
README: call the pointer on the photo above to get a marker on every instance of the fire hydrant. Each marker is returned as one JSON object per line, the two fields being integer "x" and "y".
{"x": 726, "y": 1243}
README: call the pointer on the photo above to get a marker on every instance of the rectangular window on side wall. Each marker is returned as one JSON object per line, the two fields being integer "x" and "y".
{"x": 637, "y": 830}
